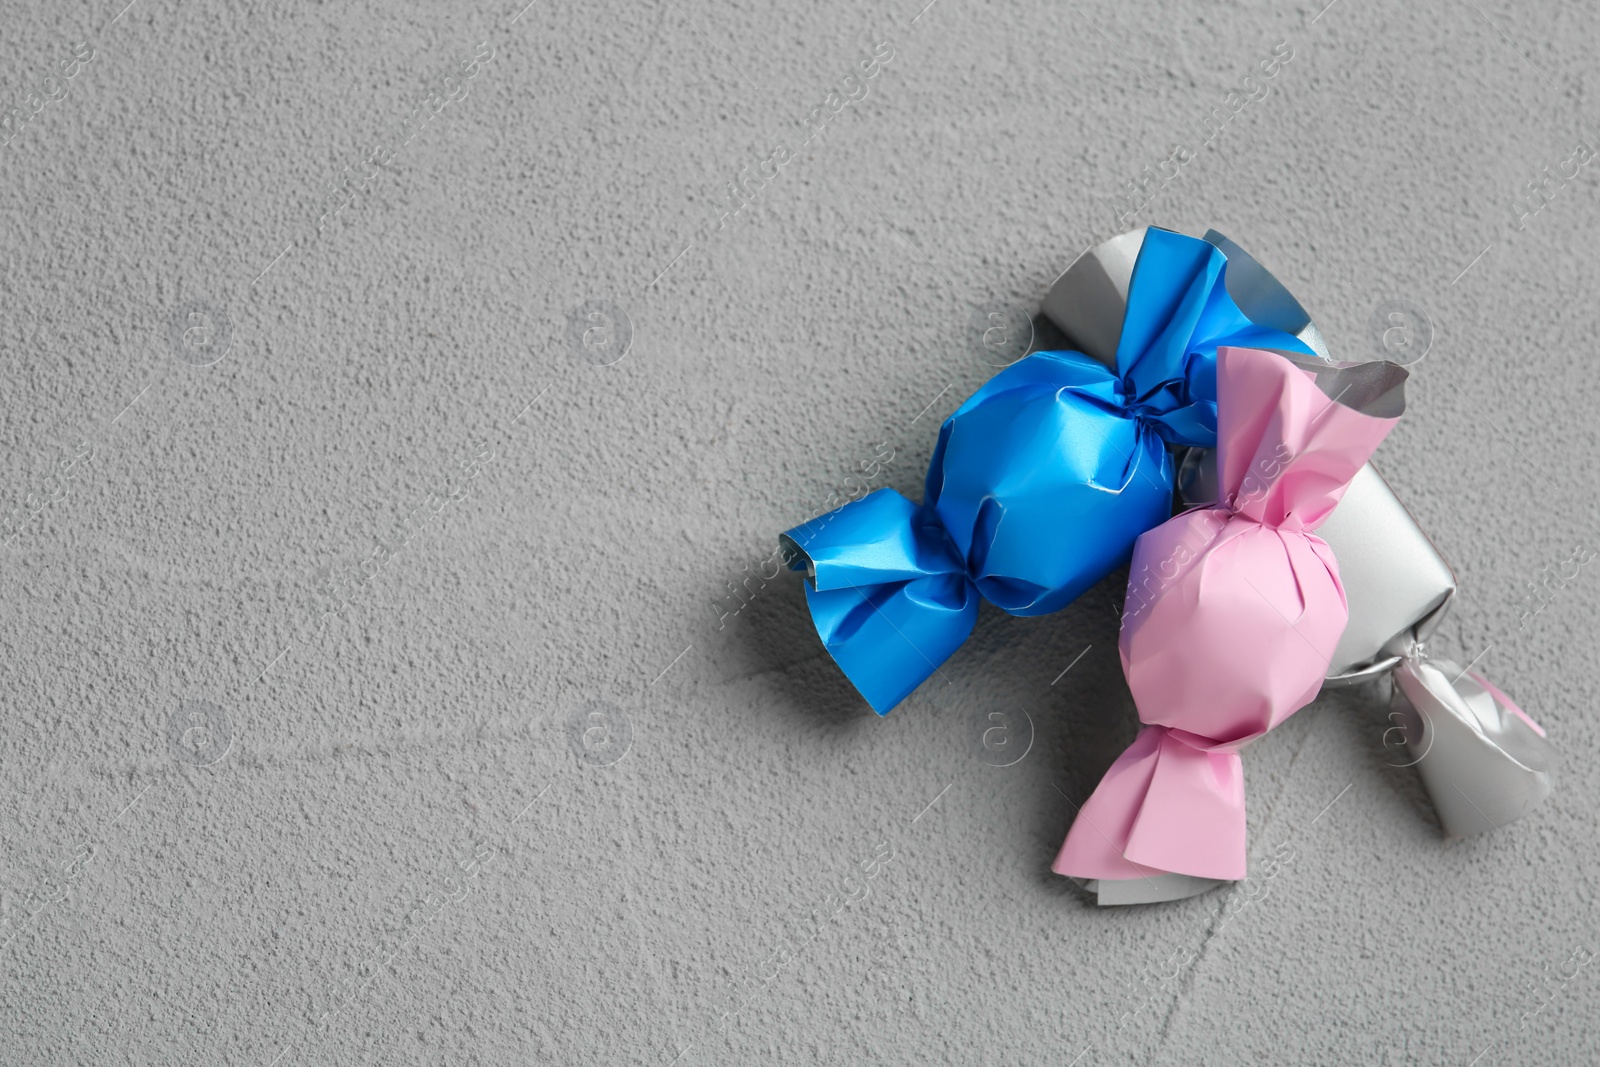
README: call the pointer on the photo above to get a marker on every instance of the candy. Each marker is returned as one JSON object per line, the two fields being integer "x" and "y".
{"x": 1233, "y": 615}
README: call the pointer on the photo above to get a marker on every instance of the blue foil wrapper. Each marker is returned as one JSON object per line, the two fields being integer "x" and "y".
{"x": 1039, "y": 483}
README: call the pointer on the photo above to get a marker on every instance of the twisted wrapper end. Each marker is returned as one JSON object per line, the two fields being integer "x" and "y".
{"x": 888, "y": 593}
{"x": 1483, "y": 760}
{"x": 1171, "y": 804}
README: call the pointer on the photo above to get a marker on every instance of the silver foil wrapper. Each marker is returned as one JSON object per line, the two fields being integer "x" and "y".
{"x": 1089, "y": 298}
{"x": 1155, "y": 889}
{"x": 1483, "y": 762}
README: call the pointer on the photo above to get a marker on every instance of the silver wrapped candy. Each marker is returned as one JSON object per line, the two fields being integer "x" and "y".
{"x": 1482, "y": 760}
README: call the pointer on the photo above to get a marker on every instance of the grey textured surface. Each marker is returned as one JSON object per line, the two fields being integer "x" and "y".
{"x": 277, "y": 889}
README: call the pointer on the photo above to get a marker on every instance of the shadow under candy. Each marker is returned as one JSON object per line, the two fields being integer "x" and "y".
{"x": 773, "y": 636}
{"x": 1363, "y": 711}
{"x": 1063, "y": 670}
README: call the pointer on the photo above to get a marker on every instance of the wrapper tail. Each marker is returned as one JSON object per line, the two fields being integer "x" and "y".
{"x": 888, "y": 593}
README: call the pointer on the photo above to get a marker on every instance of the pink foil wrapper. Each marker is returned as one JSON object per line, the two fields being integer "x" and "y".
{"x": 1233, "y": 615}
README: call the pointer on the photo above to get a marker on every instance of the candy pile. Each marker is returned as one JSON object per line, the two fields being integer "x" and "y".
{"x": 1200, "y": 386}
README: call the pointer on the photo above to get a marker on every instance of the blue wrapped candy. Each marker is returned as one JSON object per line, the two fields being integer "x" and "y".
{"x": 1038, "y": 486}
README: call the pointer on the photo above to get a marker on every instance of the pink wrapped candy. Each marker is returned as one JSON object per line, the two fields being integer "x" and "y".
{"x": 1233, "y": 615}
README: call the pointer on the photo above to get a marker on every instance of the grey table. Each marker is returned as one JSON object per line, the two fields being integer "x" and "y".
{"x": 400, "y": 404}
